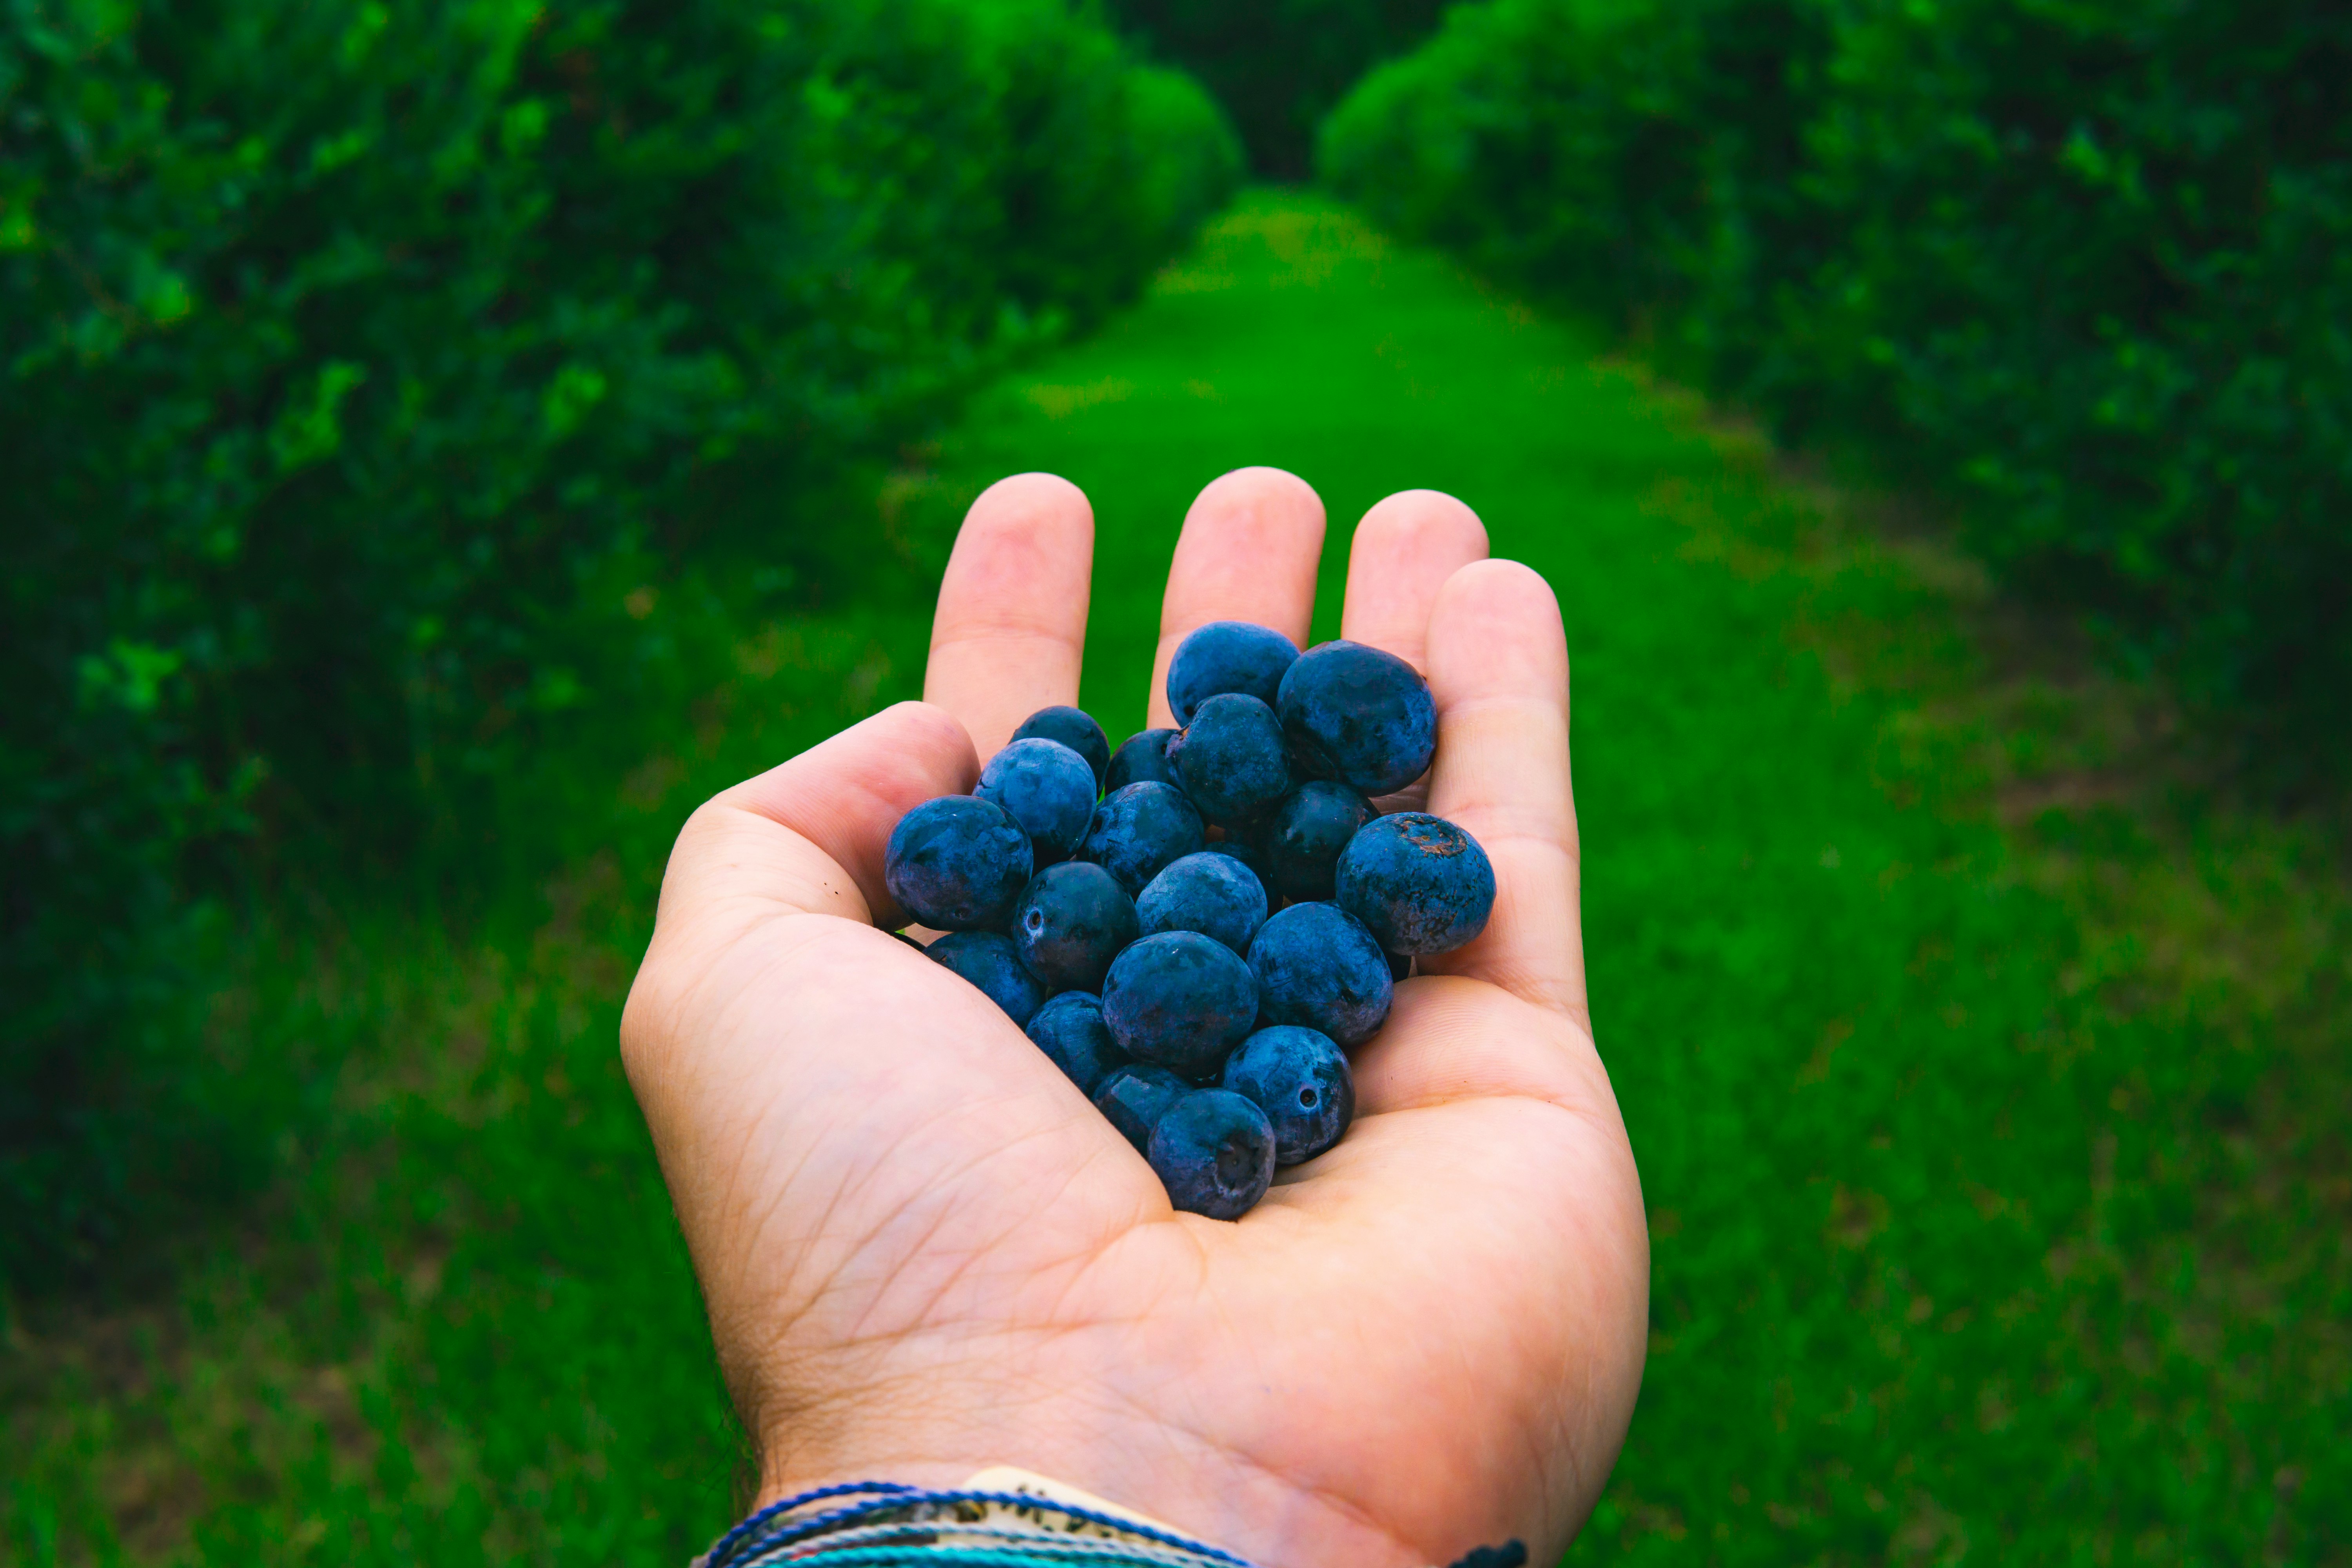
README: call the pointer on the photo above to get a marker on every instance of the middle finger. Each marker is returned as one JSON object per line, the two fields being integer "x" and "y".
{"x": 1250, "y": 547}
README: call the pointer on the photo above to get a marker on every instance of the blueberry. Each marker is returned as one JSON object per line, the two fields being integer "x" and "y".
{"x": 1316, "y": 964}
{"x": 1071, "y": 921}
{"x": 1419, "y": 883}
{"x": 986, "y": 959}
{"x": 1247, "y": 852}
{"x": 1232, "y": 758}
{"x": 1300, "y": 1080}
{"x": 957, "y": 863}
{"x": 1216, "y": 895}
{"x": 1138, "y": 829}
{"x": 1135, "y": 1097}
{"x": 1227, "y": 656}
{"x": 1308, "y": 831}
{"x": 1360, "y": 714}
{"x": 1049, "y": 791}
{"x": 1074, "y": 729}
{"x": 1070, "y": 1030}
{"x": 1399, "y": 964}
{"x": 1140, "y": 756}
{"x": 1181, "y": 1000}
{"x": 1214, "y": 1153}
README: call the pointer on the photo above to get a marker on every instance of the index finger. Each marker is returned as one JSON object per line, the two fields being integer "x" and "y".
{"x": 1011, "y": 625}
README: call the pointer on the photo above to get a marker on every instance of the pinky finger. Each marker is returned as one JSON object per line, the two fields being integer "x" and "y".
{"x": 1498, "y": 669}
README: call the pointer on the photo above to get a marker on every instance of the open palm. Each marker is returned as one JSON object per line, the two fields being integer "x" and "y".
{"x": 924, "y": 1253}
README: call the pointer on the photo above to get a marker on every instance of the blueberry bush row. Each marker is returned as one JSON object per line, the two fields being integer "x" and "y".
{"x": 1197, "y": 928}
{"x": 2084, "y": 267}
{"x": 1277, "y": 66}
{"x": 359, "y": 360}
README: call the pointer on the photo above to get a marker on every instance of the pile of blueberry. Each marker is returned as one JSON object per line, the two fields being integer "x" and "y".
{"x": 1198, "y": 948}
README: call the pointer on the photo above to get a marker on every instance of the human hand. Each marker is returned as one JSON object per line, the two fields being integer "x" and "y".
{"x": 924, "y": 1253}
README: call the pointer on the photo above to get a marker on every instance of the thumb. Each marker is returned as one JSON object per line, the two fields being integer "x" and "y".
{"x": 807, "y": 836}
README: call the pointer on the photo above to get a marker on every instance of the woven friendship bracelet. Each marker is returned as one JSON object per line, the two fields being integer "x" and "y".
{"x": 1001, "y": 1518}
{"x": 991, "y": 1523}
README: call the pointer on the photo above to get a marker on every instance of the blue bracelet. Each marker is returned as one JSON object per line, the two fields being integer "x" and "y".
{"x": 883, "y": 1524}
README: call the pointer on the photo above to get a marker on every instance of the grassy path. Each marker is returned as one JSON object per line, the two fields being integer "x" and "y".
{"x": 1948, "y": 1167}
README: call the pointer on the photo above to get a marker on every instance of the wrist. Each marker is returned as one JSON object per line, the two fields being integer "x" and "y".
{"x": 1239, "y": 1473}
{"x": 1240, "y": 1508}
{"x": 1002, "y": 1515}
{"x": 1001, "y": 1511}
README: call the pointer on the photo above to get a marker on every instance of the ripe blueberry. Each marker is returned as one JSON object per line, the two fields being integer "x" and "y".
{"x": 1071, "y": 920}
{"x": 1232, "y": 758}
{"x": 1247, "y": 852}
{"x": 1419, "y": 884}
{"x": 957, "y": 863}
{"x": 1358, "y": 713}
{"x": 1048, "y": 789}
{"x": 1316, "y": 964}
{"x": 1181, "y": 1000}
{"x": 1216, "y": 895}
{"x": 1070, "y": 1030}
{"x": 1138, "y": 829}
{"x": 1227, "y": 656}
{"x": 1135, "y": 1097}
{"x": 1300, "y": 1080}
{"x": 1142, "y": 755}
{"x": 1308, "y": 830}
{"x": 986, "y": 959}
{"x": 1075, "y": 729}
{"x": 1214, "y": 1153}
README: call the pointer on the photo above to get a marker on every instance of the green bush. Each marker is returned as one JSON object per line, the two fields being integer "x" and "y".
{"x": 2086, "y": 266}
{"x": 361, "y": 358}
{"x": 1277, "y": 66}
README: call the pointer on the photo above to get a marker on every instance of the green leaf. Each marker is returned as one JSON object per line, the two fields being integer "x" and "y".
{"x": 576, "y": 389}
{"x": 309, "y": 431}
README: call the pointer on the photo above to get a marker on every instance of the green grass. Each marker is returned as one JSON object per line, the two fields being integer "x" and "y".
{"x": 1988, "y": 1090}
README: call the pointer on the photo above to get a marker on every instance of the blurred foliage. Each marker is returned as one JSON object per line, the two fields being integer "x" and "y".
{"x": 369, "y": 364}
{"x": 2086, "y": 266}
{"x": 1277, "y": 66}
